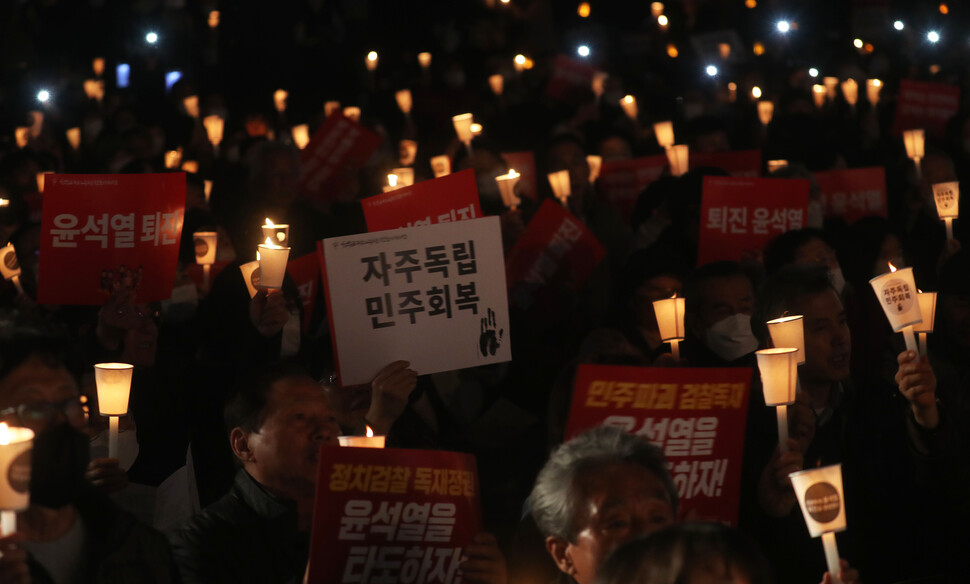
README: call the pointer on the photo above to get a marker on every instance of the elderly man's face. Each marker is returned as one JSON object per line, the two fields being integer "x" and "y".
{"x": 40, "y": 385}
{"x": 282, "y": 454}
{"x": 828, "y": 344}
{"x": 620, "y": 501}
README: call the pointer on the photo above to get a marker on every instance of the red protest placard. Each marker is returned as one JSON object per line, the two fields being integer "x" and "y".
{"x": 305, "y": 271}
{"x": 746, "y": 163}
{"x": 739, "y": 216}
{"x": 450, "y": 198}
{"x": 337, "y": 150}
{"x": 105, "y": 232}
{"x": 854, "y": 193}
{"x": 621, "y": 181}
{"x": 925, "y": 105}
{"x": 524, "y": 163}
{"x": 570, "y": 79}
{"x": 392, "y": 515}
{"x": 557, "y": 250}
{"x": 696, "y": 415}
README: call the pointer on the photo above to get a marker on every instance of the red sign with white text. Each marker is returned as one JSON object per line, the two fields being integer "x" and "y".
{"x": 305, "y": 271}
{"x": 696, "y": 415}
{"x": 925, "y": 105}
{"x": 745, "y": 163}
{"x": 556, "y": 251}
{"x": 337, "y": 150}
{"x": 392, "y": 515}
{"x": 739, "y": 216}
{"x": 450, "y": 198}
{"x": 105, "y": 232}
{"x": 621, "y": 181}
{"x": 524, "y": 163}
{"x": 854, "y": 193}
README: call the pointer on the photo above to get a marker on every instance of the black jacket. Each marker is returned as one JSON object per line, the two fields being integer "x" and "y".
{"x": 248, "y": 535}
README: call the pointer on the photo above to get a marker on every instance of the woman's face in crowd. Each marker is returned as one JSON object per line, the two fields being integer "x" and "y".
{"x": 621, "y": 501}
{"x": 827, "y": 339}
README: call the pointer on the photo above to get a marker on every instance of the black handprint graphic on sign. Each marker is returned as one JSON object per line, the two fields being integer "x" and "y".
{"x": 489, "y": 342}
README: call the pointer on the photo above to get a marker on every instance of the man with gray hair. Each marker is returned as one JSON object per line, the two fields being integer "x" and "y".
{"x": 597, "y": 491}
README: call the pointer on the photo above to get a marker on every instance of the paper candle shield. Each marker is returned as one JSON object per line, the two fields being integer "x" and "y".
{"x": 404, "y": 102}
{"x": 830, "y": 84}
{"x": 272, "y": 266}
{"x": 441, "y": 165}
{"x": 9, "y": 266}
{"x": 820, "y": 495}
{"x": 629, "y": 105}
{"x": 678, "y": 156}
{"x": 405, "y": 176}
{"x": 352, "y": 112}
{"x": 896, "y": 292}
{"x": 463, "y": 127}
{"x": 213, "y": 127}
{"x": 766, "y": 111}
{"x": 15, "y": 453}
{"x": 850, "y": 91}
{"x": 279, "y": 99}
{"x": 818, "y": 95}
{"x": 927, "y": 309}
{"x": 497, "y": 83}
{"x": 301, "y": 135}
{"x": 114, "y": 387}
{"x": 74, "y": 137}
{"x": 598, "y": 85}
{"x": 779, "y": 376}
{"x": 173, "y": 158}
{"x": 407, "y": 151}
{"x": 191, "y": 105}
{"x": 670, "y": 318}
{"x": 561, "y": 187}
{"x": 22, "y": 136}
{"x": 774, "y": 165}
{"x": 205, "y": 246}
{"x": 914, "y": 142}
{"x": 947, "y": 197}
{"x": 595, "y": 163}
{"x": 506, "y": 186}
{"x": 97, "y": 65}
{"x": 873, "y": 87}
{"x": 330, "y": 107}
{"x": 424, "y": 59}
{"x": 664, "y": 131}
{"x": 789, "y": 331}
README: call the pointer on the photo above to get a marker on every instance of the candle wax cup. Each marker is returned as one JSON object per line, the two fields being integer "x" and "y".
{"x": 821, "y": 498}
{"x": 896, "y": 292}
{"x": 272, "y": 266}
{"x": 15, "y": 469}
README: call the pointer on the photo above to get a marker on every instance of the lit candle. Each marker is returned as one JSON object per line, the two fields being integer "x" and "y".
{"x": 279, "y": 100}
{"x": 779, "y": 377}
{"x": 506, "y": 186}
{"x": 368, "y": 441}
{"x": 670, "y": 322}
{"x": 405, "y": 176}
{"x": 74, "y": 137}
{"x": 947, "y": 197}
{"x": 213, "y": 18}
{"x": 873, "y": 87}
{"x": 896, "y": 291}
{"x": 205, "y": 253}
{"x": 191, "y": 166}
{"x": 774, "y": 165}
{"x": 664, "y": 131}
{"x": 598, "y": 84}
{"x": 463, "y": 128}
{"x": 22, "y": 135}
{"x": 41, "y": 177}
{"x": 818, "y": 94}
{"x": 822, "y": 499}
{"x": 278, "y": 233}
{"x": 595, "y": 163}
{"x": 830, "y": 84}
{"x": 914, "y": 142}
{"x": 561, "y": 187}
{"x": 191, "y": 105}
{"x": 766, "y": 110}
{"x": 330, "y": 107}
{"x": 656, "y": 9}
{"x": 371, "y": 61}
{"x": 352, "y": 112}
{"x": 15, "y": 446}
{"x": 301, "y": 135}
{"x": 518, "y": 63}
{"x": 114, "y": 387}
{"x": 475, "y": 129}
{"x": 272, "y": 264}
{"x": 213, "y": 128}
{"x": 850, "y": 91}
{"x": 678, "y": 156}
{"x": 497, "y": 83}
{"x": 424, "y": 59}
{"x": 629, "y": 105}
{"x": 97, "y": 65}
{"x": 403, "y": 98}
{"x": 10, "y": 266}
{"x": 207, "y": 190}
{"x": 173, "y": 158}
{"x": 927, "y": 309}
{"x": 391, "y": 182}
{"x": 407, "y": 152}
{"x": 789, "y": 331}
{"x": 441, "y": 165}
{"x": 94, "y": 89}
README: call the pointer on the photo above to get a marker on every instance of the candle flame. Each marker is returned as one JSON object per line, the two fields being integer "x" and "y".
{"x": 4, "y": 203}
{"x": 674, "y": 296}
{"x": 269, "y": 243}
{"x": 628, "y": 99}
{"x": 892, "y": 268}
{"x": 392, "y": 180}
{"x": 370, "y": 432}
{"x": 512, "y": 173}
{"x": 269, "y": 223}
{"x": 4, "y": 434}
{"x": 372, "y": 56}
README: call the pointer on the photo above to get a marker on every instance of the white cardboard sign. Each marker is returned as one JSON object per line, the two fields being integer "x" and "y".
{"x": 433, "y": 295}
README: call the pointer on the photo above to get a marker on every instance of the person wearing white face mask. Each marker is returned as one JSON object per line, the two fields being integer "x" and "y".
{"x": 719, "y": 301}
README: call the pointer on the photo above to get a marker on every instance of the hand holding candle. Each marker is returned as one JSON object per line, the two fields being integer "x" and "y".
{"x": 779, "y": 376}
{"x": 822, "y": 500}
{"x": 15, "y": 450}
{"x": 896, "y": 291}
{"x": 670, "y": 322}
{"x": 947, "y": 197}
{"x": 114, "y": 387}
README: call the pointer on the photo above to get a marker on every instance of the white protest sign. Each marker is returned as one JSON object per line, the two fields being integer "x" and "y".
{"x": 433, "y": 295}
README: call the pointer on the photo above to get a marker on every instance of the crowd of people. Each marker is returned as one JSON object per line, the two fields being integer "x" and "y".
{"x": 233, "y": 394}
